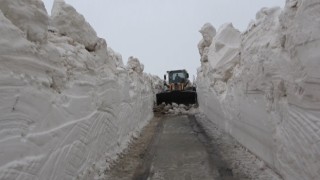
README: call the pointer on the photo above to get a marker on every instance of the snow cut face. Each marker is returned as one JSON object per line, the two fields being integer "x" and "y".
{"x": 65, "y": 111}
{"x": 262, "y": 86}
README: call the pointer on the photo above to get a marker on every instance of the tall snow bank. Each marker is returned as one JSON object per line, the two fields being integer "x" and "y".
{"x": 65, "y": 112}
{"x": 265, "y": 92}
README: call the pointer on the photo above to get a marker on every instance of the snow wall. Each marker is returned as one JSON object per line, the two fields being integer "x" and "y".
{"x": 68, "y": 105}
{"x": 263, "y": 86}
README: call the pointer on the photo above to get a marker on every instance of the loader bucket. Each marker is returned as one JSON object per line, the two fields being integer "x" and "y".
{"x": 179, "y": 97}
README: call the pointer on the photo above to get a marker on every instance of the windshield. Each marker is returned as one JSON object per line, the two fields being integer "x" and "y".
{"x": 177, "y": 77}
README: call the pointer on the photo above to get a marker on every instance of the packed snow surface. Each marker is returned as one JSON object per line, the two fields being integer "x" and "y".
{"x": 263, "y": 86}
{"x": 68, "y": 104}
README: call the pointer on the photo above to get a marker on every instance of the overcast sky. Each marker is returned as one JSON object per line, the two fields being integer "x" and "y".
{"x": 163, "y": 34}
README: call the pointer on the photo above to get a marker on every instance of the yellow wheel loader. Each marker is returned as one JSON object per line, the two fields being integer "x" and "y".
{"x": 178, "y": 89}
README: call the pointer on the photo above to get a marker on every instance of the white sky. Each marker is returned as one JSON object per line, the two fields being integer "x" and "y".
{"x": 163, "y": 34}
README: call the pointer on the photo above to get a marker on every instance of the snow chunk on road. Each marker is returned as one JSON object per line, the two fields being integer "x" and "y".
{"x": 177, "y": 109}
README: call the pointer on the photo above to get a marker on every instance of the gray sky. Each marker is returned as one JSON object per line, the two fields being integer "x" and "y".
{"x": 163, "y": 34}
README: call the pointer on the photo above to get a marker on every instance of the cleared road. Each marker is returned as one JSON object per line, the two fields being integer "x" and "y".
{"x": 180, "y": 151}
{"x": 177, "y": 148}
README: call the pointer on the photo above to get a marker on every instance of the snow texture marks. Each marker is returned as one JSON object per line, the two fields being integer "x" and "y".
{"x": 65, "y": 112}
{"x": 299, "y": 130}
{"x": 269, "y": 100}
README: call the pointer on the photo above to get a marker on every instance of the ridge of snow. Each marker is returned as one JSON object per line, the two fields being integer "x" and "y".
{"x": 30, "y": 16}
{"x": 72, "y": 24}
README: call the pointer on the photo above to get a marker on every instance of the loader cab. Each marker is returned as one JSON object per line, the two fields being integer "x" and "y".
{"x": 178, "y": 76}
{"x": 177, "y": 89}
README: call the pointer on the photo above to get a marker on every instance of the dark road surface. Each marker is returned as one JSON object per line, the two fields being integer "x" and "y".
{"x": 182, "y": 151}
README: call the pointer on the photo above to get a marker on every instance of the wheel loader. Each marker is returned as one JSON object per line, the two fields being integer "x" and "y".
{"x": 178, "y": 89}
